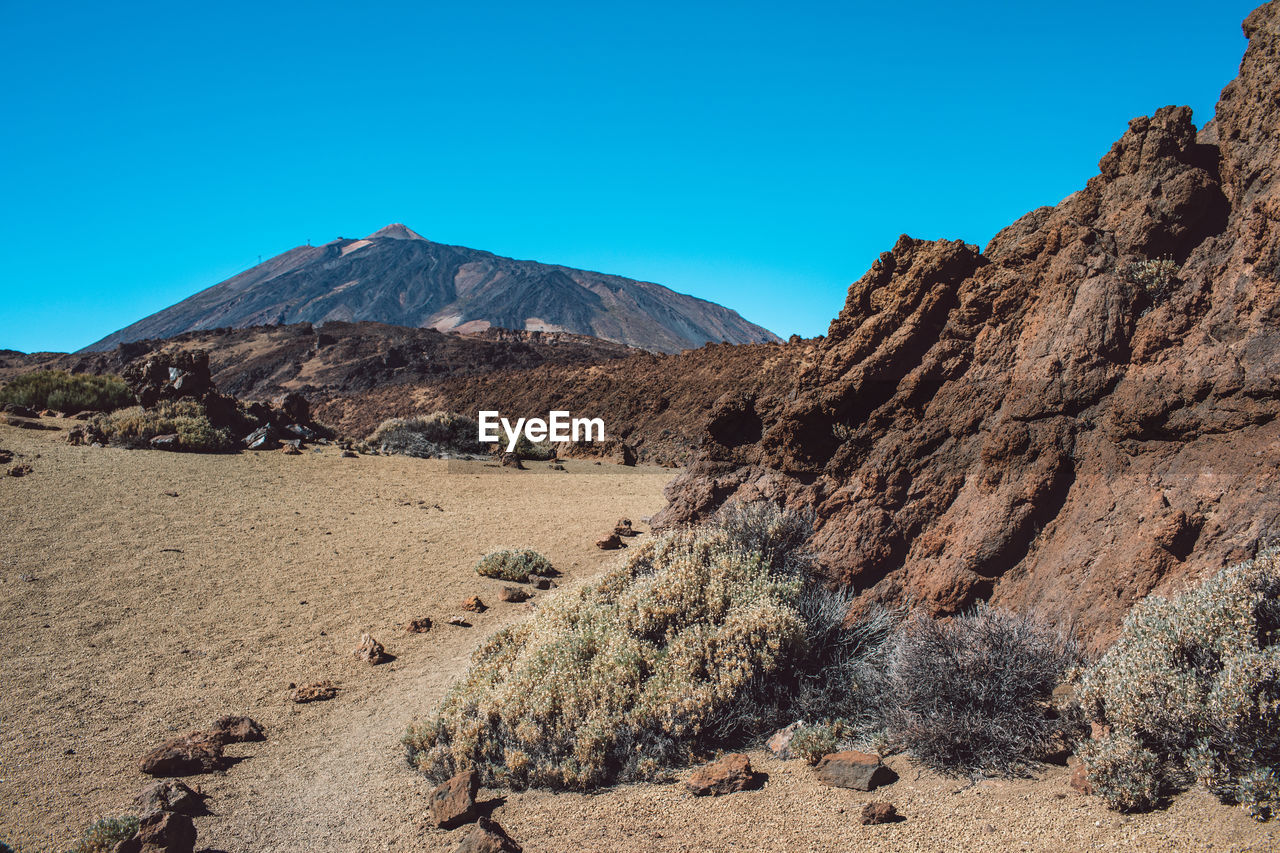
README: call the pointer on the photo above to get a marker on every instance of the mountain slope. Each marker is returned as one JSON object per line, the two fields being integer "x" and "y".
{"x": 395, "y": 276}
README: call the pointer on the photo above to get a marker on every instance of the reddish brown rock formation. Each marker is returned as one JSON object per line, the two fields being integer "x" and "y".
{"x": 1079, "y": 415}
{"x": 728, "y": 774}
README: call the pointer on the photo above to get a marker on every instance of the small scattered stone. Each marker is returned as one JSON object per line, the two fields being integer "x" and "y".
{"x": 1079, "y": 780}
{"x": 610, "y": 543}
{"x": 453, "y": 803}
{"x": 730, "y": 773}
{"x": 320, "y": 691}
{"x": 418, "y": 626}
{"x": 6, "y": 456}
{"x": 20, "y": 470}
{"x": 513, "y": 594}
{"x": 852, "y": 769}
{"x": 349, "y": 454}
{"x": 236, "y": 729}
{"x": 459, "y": 621}
{"x": 290, "y": 450}
{"x": 623, "y": 528}
{"x": 165, "y": 442}
{"x": 169, "y": 796}
{"x": 511, "y": 460}
{"x": 780, "y": 742}
{"x": 370, "y": 650}
{"x": 488, "y": 837}
{"x": 874, "y": 813}
{"x": 540, "y": 582}
{"x": 474, "y": 605}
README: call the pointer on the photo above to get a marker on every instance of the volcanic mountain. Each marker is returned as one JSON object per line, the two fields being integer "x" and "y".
{"x": 396, "y": 276}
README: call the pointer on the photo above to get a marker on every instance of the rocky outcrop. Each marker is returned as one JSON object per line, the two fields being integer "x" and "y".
{"x": 1078, "y": 415}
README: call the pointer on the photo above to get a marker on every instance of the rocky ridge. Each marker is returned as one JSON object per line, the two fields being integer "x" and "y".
{"x": 1078, "y": 415}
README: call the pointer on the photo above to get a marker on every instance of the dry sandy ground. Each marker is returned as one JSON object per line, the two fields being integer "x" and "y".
{"x": 130, "y": 615}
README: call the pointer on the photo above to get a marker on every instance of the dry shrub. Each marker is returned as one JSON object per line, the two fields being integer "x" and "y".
{"x": 634, "y": 673}
{"x": 65, "y": 392}
{"x": 1193, "y": 687}
{"x": 513, "y": 564}
{"x": 440, "y": 435}
{"x": 188, "y": 419}
{"x": 103, "y": 835}
{"x": 973, "y": 694}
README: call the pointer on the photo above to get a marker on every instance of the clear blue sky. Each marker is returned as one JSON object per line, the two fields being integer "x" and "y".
{"x": 758, "y": 155}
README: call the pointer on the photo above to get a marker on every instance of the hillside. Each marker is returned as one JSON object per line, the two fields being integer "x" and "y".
{"x": 397, "y": 277}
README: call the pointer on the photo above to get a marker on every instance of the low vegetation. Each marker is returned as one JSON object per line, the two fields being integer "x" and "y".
{"x": 973, "y": 694}
{"x": 66, "y": 392}
{"x": 696, "y": 639}
{"x": 188, "y": 419}
{"x": 1191, "y": 692}
{"x": 513, "y": 564}
{"x": 1156, "y": 276}
{"x": 440, "y": 435}
{"x": 103, "y": 835}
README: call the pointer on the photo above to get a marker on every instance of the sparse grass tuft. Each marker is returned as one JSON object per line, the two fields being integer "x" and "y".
{"x": 513, "y": 565}
{"x": 1156, "y": 276}
{"x": 66, "y": 392}
{"x": 1191, "y": 690}
{"x": 812, "y": 742}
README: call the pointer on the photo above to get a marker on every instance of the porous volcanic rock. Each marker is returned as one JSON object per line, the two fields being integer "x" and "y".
{"x": 169, "y": 796}
{"x": 185, "y": 756}
{"x": 453, "y": 802}
{"x": 488, "y": 837}
{"x": 852, "y": 769}
{"x": 370, "y": 651}
{"x": 161, "y": 832}
{"x": 726, "y": 775}
{"x": 1080, "y": 414}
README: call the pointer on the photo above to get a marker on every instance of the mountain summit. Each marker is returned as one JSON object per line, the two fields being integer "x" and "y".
{"x": 397, "y": 276}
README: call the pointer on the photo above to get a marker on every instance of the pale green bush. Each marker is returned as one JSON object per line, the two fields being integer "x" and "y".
{"x": 103, "y": 835}
{"x": 1195, "y": 682}
{"x": 812, "y": 742}
{"x": 636, "y": 672}
{"x": 513, "y": 564}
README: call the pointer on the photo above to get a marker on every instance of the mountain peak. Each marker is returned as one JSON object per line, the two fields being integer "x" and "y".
{"x": 396, "y": 231}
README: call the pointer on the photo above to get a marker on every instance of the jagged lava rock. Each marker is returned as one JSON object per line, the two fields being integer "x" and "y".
{"x": 1046, "y": 423}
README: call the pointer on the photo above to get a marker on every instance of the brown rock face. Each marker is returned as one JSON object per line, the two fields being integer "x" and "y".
{"x": 453, "y": 802}
{"x": 162, "y": 832}
{"x": 858, "y": 770}
{"x": 731, "y": 773}
{"x": 1079, "y": 415}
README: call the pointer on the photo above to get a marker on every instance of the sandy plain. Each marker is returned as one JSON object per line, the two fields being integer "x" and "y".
{"x": 144, "y": 594}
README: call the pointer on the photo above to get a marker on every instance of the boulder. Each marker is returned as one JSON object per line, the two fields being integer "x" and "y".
{"x": 625, "y": 454}
{"x": 418, "y": 626}
{"x": 20, "y": 470}
{"x": 263, "y": 438}
{"x": 511, "y": 460}
{"x": 320, "y": 691}
{"x": 290, "y": 449}
{"x": 730, "y": 773}
{"x": 623, "y": 528}
{"x": 453, "y": 803}
{"x": 185, "y": 756}
{"x": 370, "y": 650}
{"x": 513, "y": 594}
{"x": 488, "y": 837}
{"x": 609, "y": 543}
{"x": 877, "y": 812}
{"x": 169, "y": 796}
{"x": 295, "y": 408}
{"x": 852, "y": 769}
{"x": 350, "y": 454}
{"x": 474, "y": 605}
{"x": 20, "y": 411}
{"x": 6, "y": 456}
{"x": 541, "y": 582}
